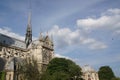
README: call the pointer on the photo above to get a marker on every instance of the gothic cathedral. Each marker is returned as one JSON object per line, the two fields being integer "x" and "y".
{"x": 13, "y": 50}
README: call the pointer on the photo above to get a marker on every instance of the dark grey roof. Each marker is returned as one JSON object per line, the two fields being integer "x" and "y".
{"x": 9, "y": 41}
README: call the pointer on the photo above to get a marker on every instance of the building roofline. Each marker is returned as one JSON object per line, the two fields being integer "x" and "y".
{"x": 11, "y": 37}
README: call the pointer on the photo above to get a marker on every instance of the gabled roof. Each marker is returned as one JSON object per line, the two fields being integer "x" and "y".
{"x": 9, "y": 41}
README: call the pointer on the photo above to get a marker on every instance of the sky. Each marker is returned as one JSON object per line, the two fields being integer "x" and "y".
{"x": 86, "y": 31}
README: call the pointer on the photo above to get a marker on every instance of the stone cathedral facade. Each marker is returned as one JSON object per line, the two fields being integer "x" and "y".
{"x": 13, "y": 50}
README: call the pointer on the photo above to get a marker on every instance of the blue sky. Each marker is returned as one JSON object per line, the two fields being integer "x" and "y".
{"x": 86, "y": 31}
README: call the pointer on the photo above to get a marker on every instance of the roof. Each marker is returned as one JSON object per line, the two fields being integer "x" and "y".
{"x": 9, "y": 41}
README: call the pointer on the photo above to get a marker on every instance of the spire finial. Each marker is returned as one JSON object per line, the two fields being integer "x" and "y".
{"x": 40, "y": 34}
{"x": 47, "y": 33}
{"x": 29, "y": 19}
{"x": 29, "y": 14}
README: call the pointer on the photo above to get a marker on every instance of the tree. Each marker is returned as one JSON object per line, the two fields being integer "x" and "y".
{"x": 2, "y": 65}
{"x": 106, "y": 73}
{"x": 29, "y": 70}
{"x": 2, "y": 75}
{"x": 116, "y": 78}
{"x": 61, "y": 69}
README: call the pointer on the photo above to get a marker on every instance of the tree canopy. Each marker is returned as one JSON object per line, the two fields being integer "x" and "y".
{"x": 29, "y": 70}
{"x": 61, "y": 69}
{"x": 106, "y": 73}
{"x": 2, "y": 75}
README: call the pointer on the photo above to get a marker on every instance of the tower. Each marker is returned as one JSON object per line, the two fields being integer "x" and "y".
{"x": 28, "y": 38}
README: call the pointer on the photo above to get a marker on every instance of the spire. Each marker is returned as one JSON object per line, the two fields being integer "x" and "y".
{"x": 28, "y": 38}
{"x": 29, "y": 15}
{"x": 29, "y": 19}
{"x": 47, "y": 33}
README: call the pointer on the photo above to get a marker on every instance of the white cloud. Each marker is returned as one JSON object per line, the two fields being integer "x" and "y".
{"x": 73, "y": 59}
{"x": 7, "y": 31}
{"x": 87, "y": 41}
{"x": 110, "y": 20}
{"x": 98, "y": 45}
{"x": 93, "y": 44}
{"x": 61, "y": 56}
{"x": 112, "y": 12}
{"x": 64, "y": 37}
{"x": 117, "y": 32}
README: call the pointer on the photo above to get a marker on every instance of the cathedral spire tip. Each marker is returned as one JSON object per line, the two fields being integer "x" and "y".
{"x": 28, "y": 38}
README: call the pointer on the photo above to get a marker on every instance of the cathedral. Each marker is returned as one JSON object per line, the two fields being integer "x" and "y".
{"x": 12, "y": 50}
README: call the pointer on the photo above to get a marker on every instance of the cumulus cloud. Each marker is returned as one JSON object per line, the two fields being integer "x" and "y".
{"x": 117, "y": 32}
{"x": 109, "y": 20}
{"x": 65, "y": 37}
{"x": 93, "y": 44}
{"x": 112, "y": 12}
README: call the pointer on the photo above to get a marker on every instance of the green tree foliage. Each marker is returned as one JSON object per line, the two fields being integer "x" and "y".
{"x": 2, "y": 75}
{"x": 29, "y": 70}
{"x": 61, "y": 69}
{"x": 116, "y": 78}
{"x": 106, "y": 73}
